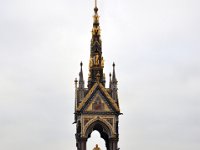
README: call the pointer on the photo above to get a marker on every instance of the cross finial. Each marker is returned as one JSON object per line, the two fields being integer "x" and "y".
{"x": 95, "y": 8}
{"x": 95, "y": 3}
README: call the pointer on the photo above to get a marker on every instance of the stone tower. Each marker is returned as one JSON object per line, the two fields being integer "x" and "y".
{"x": 96, "y": 107}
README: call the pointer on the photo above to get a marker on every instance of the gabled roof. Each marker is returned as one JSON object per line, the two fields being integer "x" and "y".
{"x": 104, "y": 92}
{"x": 98, "y": 103}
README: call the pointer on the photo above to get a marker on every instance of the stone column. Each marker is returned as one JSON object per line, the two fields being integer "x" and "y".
{"x": 113, "y": 144}
{"x": 83, "y": 143}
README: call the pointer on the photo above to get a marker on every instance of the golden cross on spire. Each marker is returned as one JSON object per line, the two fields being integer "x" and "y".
{"x": 95, "y": 3}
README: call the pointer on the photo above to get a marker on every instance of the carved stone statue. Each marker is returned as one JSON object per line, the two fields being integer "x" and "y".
{"x": 96, "y": 59}
{"x": 97, "y": 147}
{"x": 91, "y": 63}
{"x": 102, "y": 62}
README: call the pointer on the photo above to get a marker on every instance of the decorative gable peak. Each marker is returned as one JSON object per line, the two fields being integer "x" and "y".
{"x": 98, "y": 99}
{"x": 98, "y": 103}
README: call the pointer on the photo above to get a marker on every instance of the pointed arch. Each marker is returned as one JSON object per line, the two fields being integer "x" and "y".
{"x": 90, "y": 126}
{"x": 104, "y": 130}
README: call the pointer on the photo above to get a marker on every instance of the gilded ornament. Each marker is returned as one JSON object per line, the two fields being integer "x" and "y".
{"x": 91, "y": 63}
{"x": 102, "y": 62}
{"x": 97, "y": 147}
{"x": 96, "y": 59}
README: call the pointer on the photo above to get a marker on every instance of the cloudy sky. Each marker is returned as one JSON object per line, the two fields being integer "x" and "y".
{"x": 154, "y": 43}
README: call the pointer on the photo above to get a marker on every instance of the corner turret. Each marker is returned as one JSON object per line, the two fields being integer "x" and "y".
{"x": 113, "y": 85}
{"x": 81, "y": 87}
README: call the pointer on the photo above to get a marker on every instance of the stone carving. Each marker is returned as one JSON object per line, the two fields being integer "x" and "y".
{"x": 91, "y": 63}
{"x": 96, "y": 59}
{"x": 102, "y": 62}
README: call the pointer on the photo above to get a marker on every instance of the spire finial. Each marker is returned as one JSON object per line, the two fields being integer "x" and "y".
{"x": 113, "y": 64}
{"x": 81, "y": 73}
{"x": 110, "y": 82}
{"x": 113, "y": 75}
{"x": 95, "y": 8}
{"x": 95, "y": 3}
{"x": 81, "y": 64}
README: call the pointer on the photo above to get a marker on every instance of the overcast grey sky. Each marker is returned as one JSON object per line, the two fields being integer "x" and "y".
{"x": 154, "y": 43}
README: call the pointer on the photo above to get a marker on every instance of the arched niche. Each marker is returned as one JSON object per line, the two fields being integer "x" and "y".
{"x": 102, "y": 128}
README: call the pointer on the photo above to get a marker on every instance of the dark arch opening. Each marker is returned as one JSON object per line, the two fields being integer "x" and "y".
{"x": 102, "y": 128}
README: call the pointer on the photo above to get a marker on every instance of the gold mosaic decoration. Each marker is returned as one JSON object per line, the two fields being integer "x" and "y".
{"x": 104, "y": 91}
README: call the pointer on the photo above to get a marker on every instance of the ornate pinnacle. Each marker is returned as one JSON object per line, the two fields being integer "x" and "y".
{"x": 81, "y": 80}
{"x": 96, "y": 62}
{"x": 113, "y": 75}
{"x": 95, "y": 8}
{"x": 110, "y": 81}
{"x": 95, "y": 3}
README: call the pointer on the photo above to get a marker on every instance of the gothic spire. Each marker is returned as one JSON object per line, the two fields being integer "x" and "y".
{"x": 95, "y": 8}
{"x": 114, "y": 79}
{"x": 96, "y": 41}
{"x": 96, "y": 64}
{"x": 114, "y": 85}
{"x": 110, "y": 81}
{"x": 81, "y": 80}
